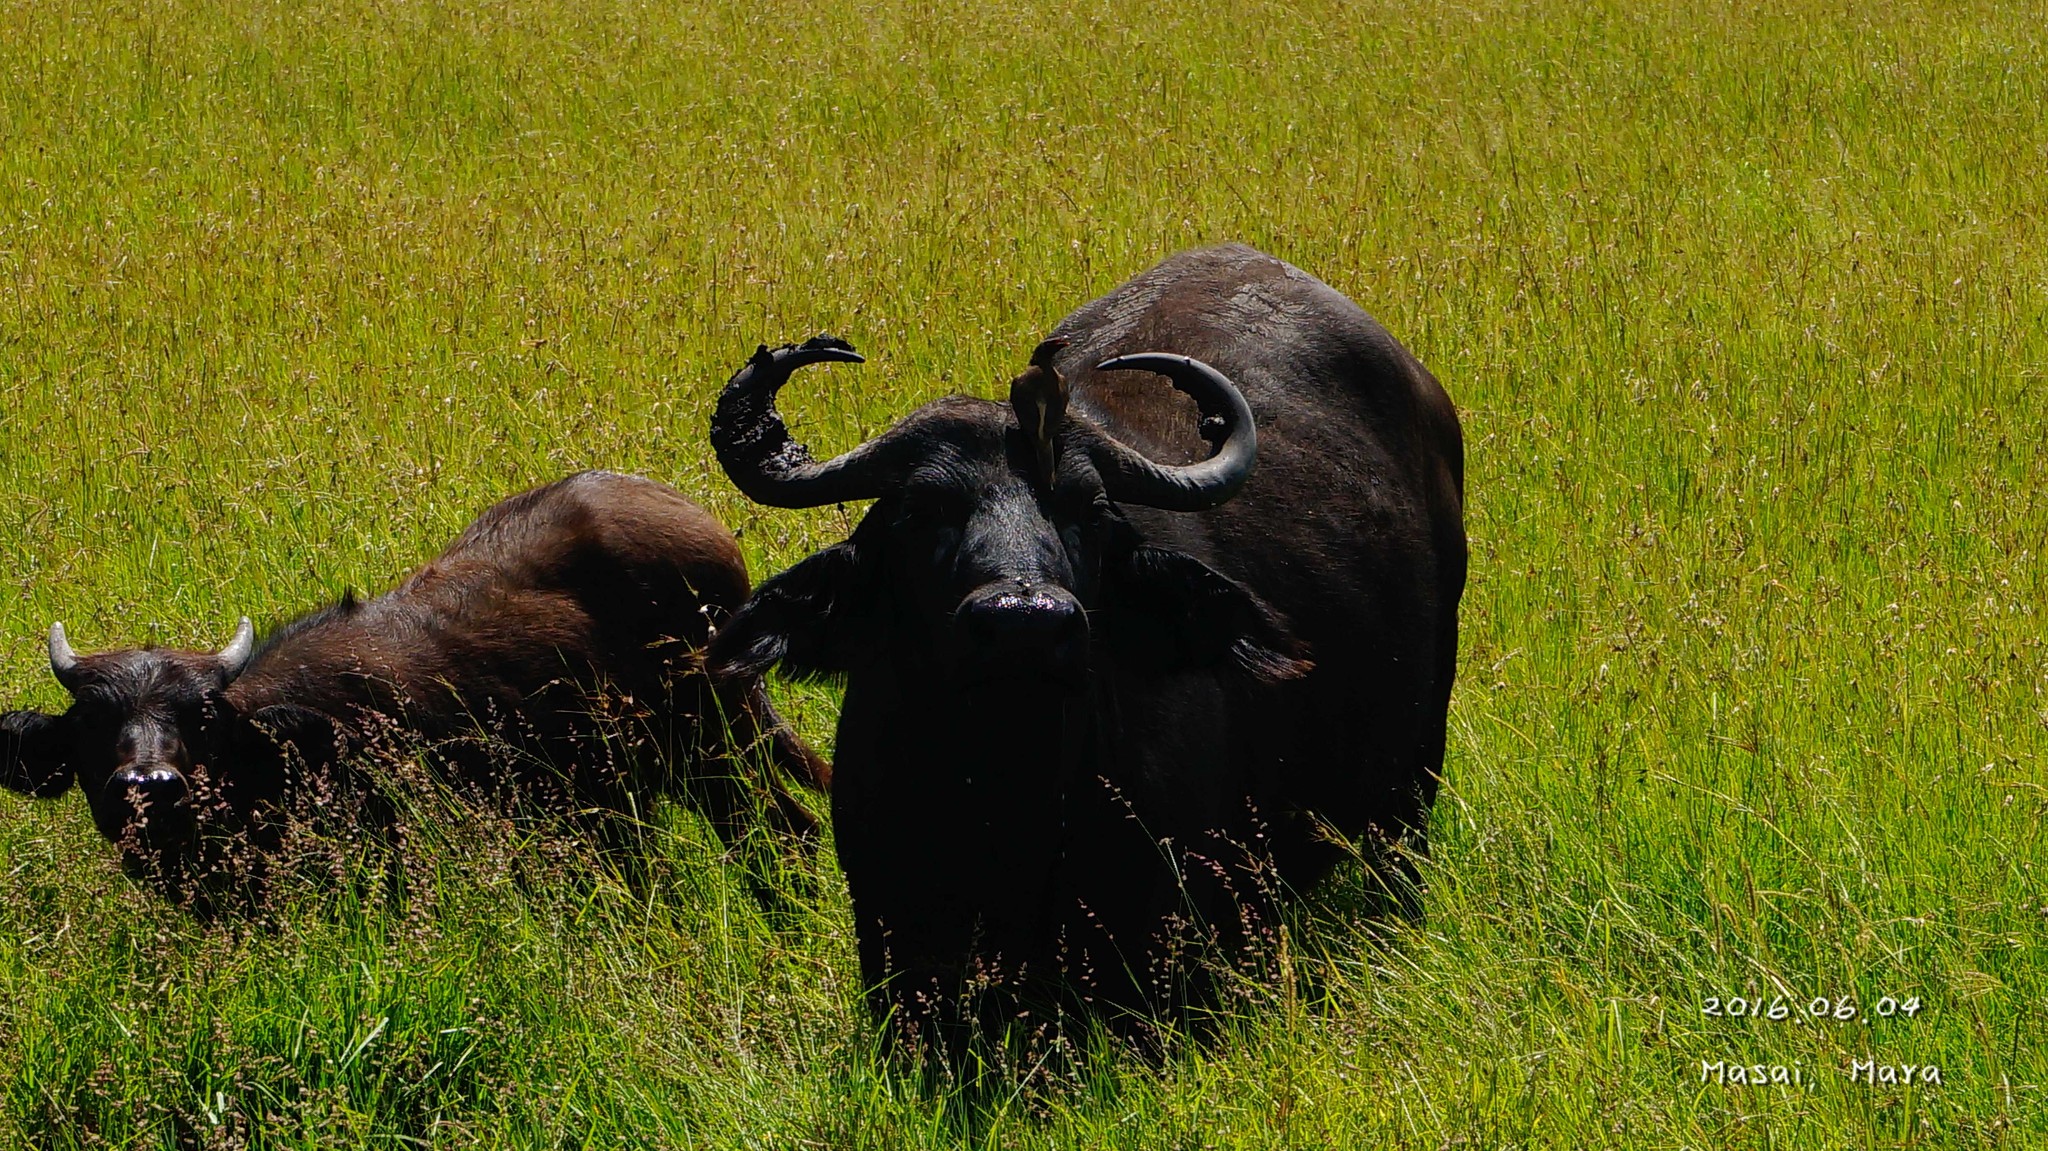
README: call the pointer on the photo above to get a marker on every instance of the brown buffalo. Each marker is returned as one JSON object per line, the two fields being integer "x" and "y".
{"x": 549, "y": 657}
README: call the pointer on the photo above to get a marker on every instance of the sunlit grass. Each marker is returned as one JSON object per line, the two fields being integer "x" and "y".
{"x": 1745, "y": 309}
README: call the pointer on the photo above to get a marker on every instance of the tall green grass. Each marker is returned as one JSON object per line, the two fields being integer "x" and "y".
{"x": 1742, "y": 305}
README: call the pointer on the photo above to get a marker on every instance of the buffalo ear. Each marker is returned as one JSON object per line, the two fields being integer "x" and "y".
{"x": 32, "y": 759}
{"x": 815, "y": 619}
{"x": 1171, "y": 610}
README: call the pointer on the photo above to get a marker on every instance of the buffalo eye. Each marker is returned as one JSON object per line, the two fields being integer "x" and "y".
{"x": 930, "y": 507}
{"x": 929, "y": 522}
{"x": 1084, "y": 521}
{"x": 95, "y": 714}
{"x": 203, "y": 716}
{"x": 1079, "y": 504}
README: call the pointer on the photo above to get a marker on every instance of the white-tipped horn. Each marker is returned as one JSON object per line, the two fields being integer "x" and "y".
{"x": 234, "y": 657}
{"x": 63, "y": 661}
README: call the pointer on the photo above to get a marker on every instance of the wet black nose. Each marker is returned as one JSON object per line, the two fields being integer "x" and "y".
{"x": 1020, "y": 617}
{"x": 1025, "y": 627}
{"x": 145, "y": 809}
{"x": 159, "y": 788}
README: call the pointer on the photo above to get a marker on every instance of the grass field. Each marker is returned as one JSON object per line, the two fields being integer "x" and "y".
{"x": 1745, "y": 309}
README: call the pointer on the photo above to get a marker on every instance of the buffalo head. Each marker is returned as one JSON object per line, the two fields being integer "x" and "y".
{"x": 144, "y": 738}
{"x": 997, "y": 540}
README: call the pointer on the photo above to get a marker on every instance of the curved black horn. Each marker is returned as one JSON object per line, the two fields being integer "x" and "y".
{"x": 1195, "y": 487}
{"x": 234, "y": 657}
{"x": 63, "y": 661}
{"x": 756, "y": 450}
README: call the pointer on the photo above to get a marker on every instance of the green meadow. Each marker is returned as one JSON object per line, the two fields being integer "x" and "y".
{"x": 1744, "y": 308}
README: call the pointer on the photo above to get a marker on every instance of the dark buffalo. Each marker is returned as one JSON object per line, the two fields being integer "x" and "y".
{"x": 546, "y": 657}
{"x": 1108, "y": 689}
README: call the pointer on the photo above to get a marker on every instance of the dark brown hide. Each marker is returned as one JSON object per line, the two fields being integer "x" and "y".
{"x": 548, "y": 657}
